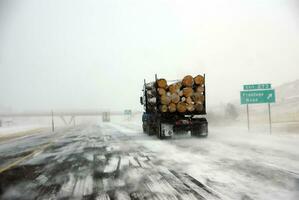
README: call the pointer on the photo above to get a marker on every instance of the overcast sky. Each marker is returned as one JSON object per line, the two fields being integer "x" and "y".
{"x": 71, "y": 54}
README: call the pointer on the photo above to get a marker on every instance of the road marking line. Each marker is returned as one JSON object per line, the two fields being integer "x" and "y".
{"x": 35, "y": 151}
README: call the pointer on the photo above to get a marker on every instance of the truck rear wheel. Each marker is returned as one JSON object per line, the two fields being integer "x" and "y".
{"x": 144, "y": 126}
{"x": 200, "y": 129}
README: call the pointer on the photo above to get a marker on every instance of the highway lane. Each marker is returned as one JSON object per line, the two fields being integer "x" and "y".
{"x": 93, "y": 162}
{"x": 118, "y": 161}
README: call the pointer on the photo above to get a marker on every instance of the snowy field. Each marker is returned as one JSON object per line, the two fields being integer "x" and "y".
{"x": 12, "y": 130}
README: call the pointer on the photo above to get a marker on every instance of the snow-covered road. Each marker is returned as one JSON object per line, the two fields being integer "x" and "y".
{"x": 235, "y": 163}
{"x": 117, "y": 161}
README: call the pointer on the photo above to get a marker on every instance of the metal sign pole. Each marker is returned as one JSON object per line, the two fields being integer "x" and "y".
{"x": 247, "y": 117}
{"x": 270, "y": 121}
{"x": 52, "y": 121}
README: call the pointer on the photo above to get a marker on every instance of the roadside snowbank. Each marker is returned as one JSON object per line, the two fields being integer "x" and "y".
{"x": 11, "y": 130}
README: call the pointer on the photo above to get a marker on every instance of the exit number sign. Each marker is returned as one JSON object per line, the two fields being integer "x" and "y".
{"x": 257, "y": 93}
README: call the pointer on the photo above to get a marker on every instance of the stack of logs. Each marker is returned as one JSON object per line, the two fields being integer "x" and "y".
{"x": 182, "y": 96}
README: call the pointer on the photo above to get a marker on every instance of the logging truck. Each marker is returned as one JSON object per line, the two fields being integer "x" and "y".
{"x": 173, "y": 107}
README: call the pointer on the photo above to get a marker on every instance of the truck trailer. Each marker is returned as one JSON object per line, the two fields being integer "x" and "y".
{"x": 174, "y": 107}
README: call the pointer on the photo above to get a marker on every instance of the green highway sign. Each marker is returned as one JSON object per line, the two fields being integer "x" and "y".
{"x": 257, "y": 96}
{"x": 257, "y": 86}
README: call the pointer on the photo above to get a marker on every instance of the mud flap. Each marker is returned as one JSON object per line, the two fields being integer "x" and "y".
{"x": 166, "y": 131}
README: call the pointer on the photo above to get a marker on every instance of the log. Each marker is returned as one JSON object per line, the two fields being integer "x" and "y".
{"x": 162, "y": 83}
{"x": 198, "y": 98}
{"x": 161, "y": 91}
{"x": 178, "y": 85}
{"x": 187, "y": 81}
{"x": 189, "y": 100}
{"x": 175, "y": 98}
{"x": 181, "y": 107}
{"x": 165, "y": 100}
{"x": 198, "y": 107}
{"x": 187, "y": 91}
{"x": 200, "y": 89}
{"x": 172, "y": 107}
{"x": 172, "y": 88}
{"x": 181, "y": 93}
{"x": 163, "y": 108}
{"x": 199, "y": 80}
{"x": 190, "y": 107}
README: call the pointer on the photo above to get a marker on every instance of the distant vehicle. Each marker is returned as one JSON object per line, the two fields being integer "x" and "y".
{"x": 172, "y": 107}
{"x": 106, "y": 116}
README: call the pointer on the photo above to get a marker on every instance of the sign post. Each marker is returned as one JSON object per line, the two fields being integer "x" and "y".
{"x": 248, "y": 117}
{"x": 256, "y": 94}
{"x": 270, "y": 121}
{"x": 52, "y": 120}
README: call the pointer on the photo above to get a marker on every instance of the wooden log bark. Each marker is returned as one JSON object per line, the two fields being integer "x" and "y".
{"x": 172, "y": 107}
{"x": 162, "y": 83}
{"x": 187, "y": 81}
{"x": 199, "y": 80}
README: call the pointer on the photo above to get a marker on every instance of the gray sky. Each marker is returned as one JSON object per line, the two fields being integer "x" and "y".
{"x": 67, "y": 54}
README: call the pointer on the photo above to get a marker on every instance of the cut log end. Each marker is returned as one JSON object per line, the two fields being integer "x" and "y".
{"x": 161, "y": 91}
{"x": 162, "y": 83}
{"x": 165, "y": 100}
{"x": 181, "y": 107}
{"x": 199, "y": 80}
{"x": 172, "y": 107}
{"x": 187, "y": 91}
{"x": 163, "y": 108}
{"x": 187, "y": 81}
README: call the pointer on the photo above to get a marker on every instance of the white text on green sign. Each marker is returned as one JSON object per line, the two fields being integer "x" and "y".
{"x": 257, "y": 86}
{"x": 257, "y": 96}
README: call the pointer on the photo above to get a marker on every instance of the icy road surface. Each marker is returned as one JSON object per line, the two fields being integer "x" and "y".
{"x": 118, "y": 161}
